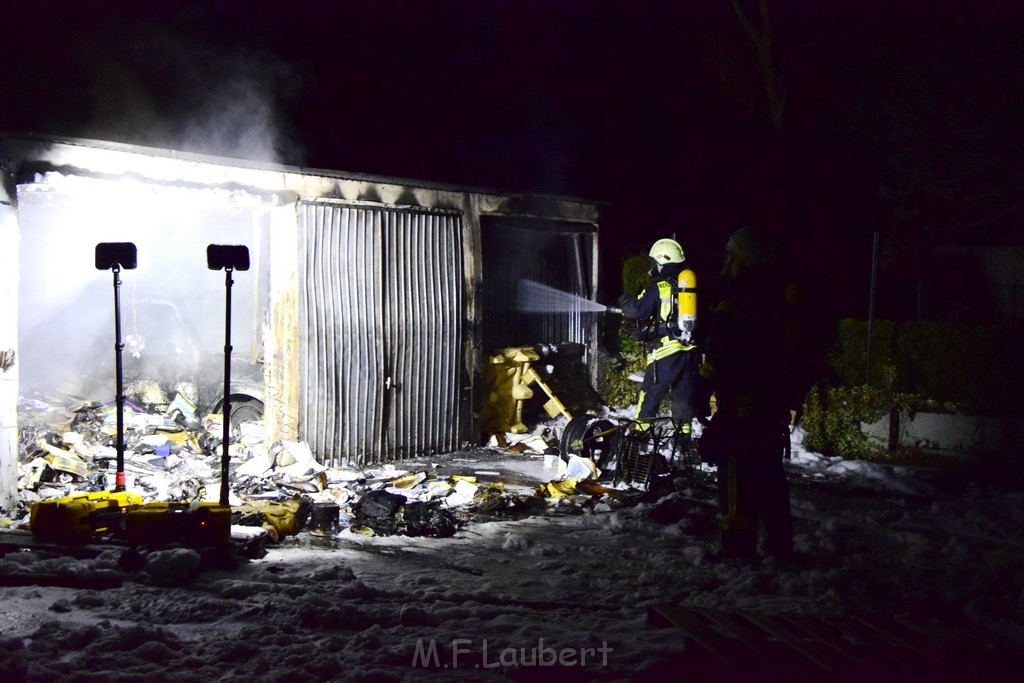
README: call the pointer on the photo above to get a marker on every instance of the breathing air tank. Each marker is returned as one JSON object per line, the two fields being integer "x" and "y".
{"x": 687, "y": 303}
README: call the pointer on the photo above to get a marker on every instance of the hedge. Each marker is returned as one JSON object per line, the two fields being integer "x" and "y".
{"x": 974, "y": 369}
{"x": 915, "y": 366}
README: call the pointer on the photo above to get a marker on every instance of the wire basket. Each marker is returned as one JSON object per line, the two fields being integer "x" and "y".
{"x": 633, "y": 452}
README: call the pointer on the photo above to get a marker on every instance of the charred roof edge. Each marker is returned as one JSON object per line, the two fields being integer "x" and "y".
{"x": 32, "y": 142}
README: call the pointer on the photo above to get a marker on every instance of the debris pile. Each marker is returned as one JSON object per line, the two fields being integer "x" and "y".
{"x": 173, "y": 455}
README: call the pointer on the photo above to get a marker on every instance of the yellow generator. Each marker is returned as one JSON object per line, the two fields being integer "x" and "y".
{"x": 197, "y": 526}
{"x": 79, "y": 518}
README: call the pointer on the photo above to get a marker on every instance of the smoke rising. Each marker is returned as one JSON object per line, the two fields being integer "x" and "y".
{"x": 164, "y": 89}
{"x": 172, "y": 304}
{"x": 162, "y": 85}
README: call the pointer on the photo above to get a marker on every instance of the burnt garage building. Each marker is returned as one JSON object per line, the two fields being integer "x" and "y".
{"x": 360, "y": 328}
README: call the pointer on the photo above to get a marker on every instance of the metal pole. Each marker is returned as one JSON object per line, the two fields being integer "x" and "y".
{"x": 226, "y": 423}
{"x": 119, "y": 480}
{"x": 871, "y": 305}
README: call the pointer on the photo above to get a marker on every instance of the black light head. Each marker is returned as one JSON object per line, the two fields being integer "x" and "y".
{"x": 120, "y": 254}
{"x": 224, "y": 256}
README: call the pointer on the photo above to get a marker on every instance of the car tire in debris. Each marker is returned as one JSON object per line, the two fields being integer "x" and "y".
{"x": 245, "y": 410}
{"x": 589, "y": 437}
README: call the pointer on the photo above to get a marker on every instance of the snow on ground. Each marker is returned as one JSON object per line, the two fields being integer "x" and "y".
{"x": 503, "y": 598}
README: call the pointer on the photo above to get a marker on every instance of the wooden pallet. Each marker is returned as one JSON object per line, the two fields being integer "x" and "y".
{"x": 734, "y": 645}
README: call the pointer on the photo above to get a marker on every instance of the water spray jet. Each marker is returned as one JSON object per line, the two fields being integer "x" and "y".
{"x": 534, "y": 297}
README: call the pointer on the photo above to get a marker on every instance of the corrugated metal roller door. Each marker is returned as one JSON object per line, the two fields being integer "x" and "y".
{"x": 383, "y": 332}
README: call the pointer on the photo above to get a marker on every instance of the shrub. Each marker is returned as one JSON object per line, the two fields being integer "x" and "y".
{"x": 973, "y": 369}
{"x": 833, "y": 415}
{"x": 617, "y": 390}
{"x": 848, "y": 360}
{"x": 976, "y": 368}
{"x": 915, "y": 366}
{"x": 615, "y": 387}
{"x": 636, "y": 271}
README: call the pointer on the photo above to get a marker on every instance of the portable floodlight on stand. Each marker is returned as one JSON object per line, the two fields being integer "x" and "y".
{"x": 230, "y": 258}
{"x": 114, "y": 256}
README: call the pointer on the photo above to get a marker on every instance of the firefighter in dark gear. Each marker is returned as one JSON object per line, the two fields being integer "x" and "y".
{"x": 666, "y": 311}
{"x": 745, "y": 365}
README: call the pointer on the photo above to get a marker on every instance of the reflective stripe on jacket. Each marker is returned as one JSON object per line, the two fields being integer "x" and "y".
{"x": 655, "y": 302}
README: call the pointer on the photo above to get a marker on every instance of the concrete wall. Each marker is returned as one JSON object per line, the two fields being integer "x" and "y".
{"x": 281, "y": 336}
{"x": 9, "y": 238}
{"x": 955, "y": 435}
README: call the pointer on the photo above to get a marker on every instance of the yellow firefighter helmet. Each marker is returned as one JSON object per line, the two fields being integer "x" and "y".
{"x": 667, "y": 251}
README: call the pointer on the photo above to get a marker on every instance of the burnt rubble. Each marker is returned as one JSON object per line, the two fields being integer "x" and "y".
{"x": 172, "y": 455}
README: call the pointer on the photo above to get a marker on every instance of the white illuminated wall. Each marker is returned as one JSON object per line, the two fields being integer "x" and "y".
{"x": 8, "y": 344}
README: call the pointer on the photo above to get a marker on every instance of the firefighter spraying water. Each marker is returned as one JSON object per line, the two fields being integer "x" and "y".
{"x": 666, "y": 316}
{"x": 666, "y": 312}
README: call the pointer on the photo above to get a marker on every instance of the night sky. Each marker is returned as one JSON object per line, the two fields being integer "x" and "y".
{"x": 828, "y": 121}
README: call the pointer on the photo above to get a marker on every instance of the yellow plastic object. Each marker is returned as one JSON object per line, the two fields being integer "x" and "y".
{"x": 407, "y": 481}
{"x": 205, "y": 525}
{"x": 557, "y": 489}
{"x": 553, "y": 407}
{"x": 687, "y": 297}
{"x": 179, "y": 438}
{"x": 508, "y": 378}
{"x": 593, "y": 488}
{"x": 506, "y": 391}
{"x": 78, "y": 518}
{"x": 280, "y": 517}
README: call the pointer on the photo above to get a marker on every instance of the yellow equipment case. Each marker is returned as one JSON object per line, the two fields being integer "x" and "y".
{"x": 80, "y": 517}
{"x": 197, "y": 526}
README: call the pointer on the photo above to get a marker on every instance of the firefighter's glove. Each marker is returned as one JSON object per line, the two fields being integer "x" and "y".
{"x": 627, "y": 306}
